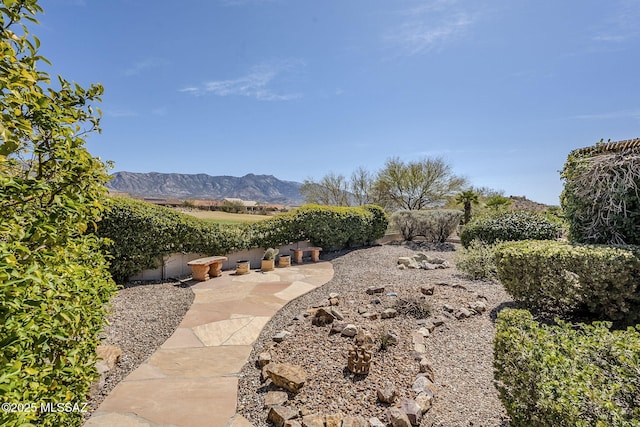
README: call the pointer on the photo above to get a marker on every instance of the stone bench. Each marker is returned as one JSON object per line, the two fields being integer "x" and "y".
{"x": 203, "y": 268}
{"x": 297, "y": 254}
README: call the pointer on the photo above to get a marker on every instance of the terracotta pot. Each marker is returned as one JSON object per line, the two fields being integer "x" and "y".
{"x": 268, "y": 264}
{"x": 242, "y": 266}
{"x": 284, "y": 261}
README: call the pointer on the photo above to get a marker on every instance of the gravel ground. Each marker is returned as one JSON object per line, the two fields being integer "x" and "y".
{"x": 460, "y": 351}
{"x": 142, "y": 317}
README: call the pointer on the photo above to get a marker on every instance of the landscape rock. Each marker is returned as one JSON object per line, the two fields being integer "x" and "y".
{"x": 278, "y": 415}
{"x": 418, "y": 342}
{"x": 286, "y": 376}
{"x": 264, "y": 359}
{"x": 424, "y": 385}
{"x": 364, "y": 339}
{"x": 463, "y": 313}
{"x": 323, "y": 317}
{"x": 478, "y": 306}
{"x": 408, "y": 262}
{"x": 281, "y": 336}
{"x": 334, "y": 295}
{"x": 275, "y": 398}
{"x": 412, "y": 409}
{"x": 391, "y": 338}
{"x": 397, "y": 418}
{"x": 333, "y": 420}
{"x": 313, "y": 420}
{"x": 370, "y": 315}
{"x": 350, "y": 330}
{"x": 334, "y": 301}
{"x": 354, "y": 421}
{"x": 425, "y": 400}
{"x": 375, "y": 422}
{"x": 375, "y": 290}
{"x": 337, "y": 313}
{"x": 292, "y": 423}
{"x": 337, "y": 327}
{"x": 109, "y": 356}
{"x": 389, "y": 313}
{"x": 427, "y": 290}
{"x": 426, "y": 368}
{"x": 387, "y": 394}
{"x": 448, "y": 308}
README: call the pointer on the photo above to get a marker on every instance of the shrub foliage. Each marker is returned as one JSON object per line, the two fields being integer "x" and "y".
{"x": 566, "y": 376}
{"x": 509, "y": 225}
{"x": 477, "y": 261}
{"x": 553, "y": 275}
{"x": 435, "y": 225}
{"x": 54, "y": 283}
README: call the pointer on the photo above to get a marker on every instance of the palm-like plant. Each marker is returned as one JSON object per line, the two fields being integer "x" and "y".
{"x": 467, "y": 198}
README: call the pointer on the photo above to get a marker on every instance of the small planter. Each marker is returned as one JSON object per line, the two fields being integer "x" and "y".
{"x": 242, "y": 266}
{"x": 284, "y": 261}
{"x": 267, "y": 265}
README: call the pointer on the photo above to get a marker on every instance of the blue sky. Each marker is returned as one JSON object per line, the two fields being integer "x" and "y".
{"x": 502, "y": 90}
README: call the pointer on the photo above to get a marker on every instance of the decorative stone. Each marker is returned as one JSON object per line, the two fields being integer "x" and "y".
{"x": 275, "y": 398}
{"x": 333, "y": 420}
{"x": 427, "y": 290}
{"x": 337, "y": 327}
{"x": 391, "y": 338}
{"x": 459, "y": 286}
{"x": 337, "y": 314}
{"x": 387, "y": 394}
{"x": 323, "y": 317}
{"x": 376, "y": 301}
{"x": 408, "y": 262}
{"x": 334, "y": 295}
{"x": 278, "y": 415}
{"x": 354, "y": 421}
{"x": 438, "y": 321}
{"x": 412, "y": 409}
{"x": 359, "y": 360}
{"x": 478, "y": 306}
{"x": 109, "y": 356}
{"x": 425, "y": 368}
{"x": 334, "y": 301}
{"x": 402, "y": 267}
{"x": 389, "y": 313}
{"x": 292, "y": 423}
{"x": 313, "y": 420}
{"x": 375, "y": 290}
{"x": 463, "y": 313}
{"x": 350, "y": 330}
{"x": 281, "y": 336}
{"x": 448, "y": 308}
{"x": 397, "y": 418}
{"x": 424, "y": 385}
{"x": 286, "y": 376}
{"x": 364, "y": 338}
{"x": 375, "y": 422}
{"x": 418, "y": 342}
{"x": 392, "y": 294}
{"x": 424, "y": 331}
{"x": 264, "y": 359}
{"x": 370, "y": 315}
{"x": 425, "y": 400}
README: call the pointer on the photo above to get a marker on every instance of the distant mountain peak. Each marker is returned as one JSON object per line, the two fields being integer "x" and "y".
{"x": 261, "y": 188}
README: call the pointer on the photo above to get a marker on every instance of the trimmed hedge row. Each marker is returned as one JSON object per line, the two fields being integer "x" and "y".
{"x": 567, "y": 376}
{"x": 435, "y": 225}
{"x": 509, "y": 226}
{"x": 553, "y": 275}
{"x": 140, "y": 233}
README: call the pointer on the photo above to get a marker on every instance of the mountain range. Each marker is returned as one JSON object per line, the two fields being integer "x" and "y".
{"x": 260, "y": 188}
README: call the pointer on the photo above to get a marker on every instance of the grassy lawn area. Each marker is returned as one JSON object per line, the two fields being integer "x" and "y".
{"x": 225, "y": 218}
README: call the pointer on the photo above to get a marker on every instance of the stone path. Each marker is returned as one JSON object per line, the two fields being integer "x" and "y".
{"x": 192, "y": 379}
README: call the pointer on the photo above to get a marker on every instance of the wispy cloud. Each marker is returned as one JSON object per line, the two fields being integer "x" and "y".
{"x": 622, "y": 24}
{"x": 430, "y": 26}
{"x": 258, "y": 83}
{"x": 610, "y": 115}
{"x": 145, "y": 64}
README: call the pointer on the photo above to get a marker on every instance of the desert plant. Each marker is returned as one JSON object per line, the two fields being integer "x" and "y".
{"x": 270, "y": 254}
{"x": 558, "y": 276}
{"x": 477, "y": 261}
{"x": 566, "y": 375}
{"x": 411, "y": 306}
{"x": 467, "y": 198}
{"x": 508, "y": 226}
{"x": 435, "y": 225}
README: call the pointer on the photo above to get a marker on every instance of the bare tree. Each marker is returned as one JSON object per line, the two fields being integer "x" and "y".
{"x": 331, "y": 190}
{"x": 361, "y": 186}
{"x": 416, "y": 185}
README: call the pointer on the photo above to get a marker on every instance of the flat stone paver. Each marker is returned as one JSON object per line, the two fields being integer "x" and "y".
{"x": 192, "y": 379}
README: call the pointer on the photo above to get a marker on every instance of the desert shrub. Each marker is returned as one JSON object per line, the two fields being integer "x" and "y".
{"x": 435, "y": 225}
{"x": 601, "y": 196}
{"x": 477, "y": 261}
{"x": 553, "y": 275}
{"x": 414, "y": 307}
{"x": 566, "y": 376}
{"x": 508, "y": 226}
{"x": 140, "y": 234}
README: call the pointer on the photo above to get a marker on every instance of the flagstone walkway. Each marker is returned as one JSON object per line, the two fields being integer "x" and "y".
{"x": 192, "y": 379}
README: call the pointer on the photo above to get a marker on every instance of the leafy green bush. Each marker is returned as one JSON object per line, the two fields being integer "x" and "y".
{"x": 435, "y": 225}
{"x": 141, "y": 234}
{"x": 566, "y": 376}
{"x": 477, "y": 261}
{"x": 553, "y": 275}
{"x": 508, "y": 226}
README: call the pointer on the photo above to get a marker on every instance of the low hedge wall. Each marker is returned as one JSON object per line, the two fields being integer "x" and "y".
{"x": 141, "y": 233}
{"x": 566, "y": 376}
{"x": 553, "y": 275}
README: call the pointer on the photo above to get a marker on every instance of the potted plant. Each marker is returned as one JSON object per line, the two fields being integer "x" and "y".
{"x": 242, "y": 266}
{"x": 284, "y": 260}
{"x": 268, "y": 260}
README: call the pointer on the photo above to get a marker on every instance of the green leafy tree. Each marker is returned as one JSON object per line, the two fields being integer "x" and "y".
{"x": 498, "y": 203}
{"x": 54, "y": 278}
{"x": 416, "y": 185}
{"x": 467, "y": 198}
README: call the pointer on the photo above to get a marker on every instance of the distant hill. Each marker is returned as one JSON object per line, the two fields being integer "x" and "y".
{"x": 261, "y": 188}
{"x": 524, "y": 204}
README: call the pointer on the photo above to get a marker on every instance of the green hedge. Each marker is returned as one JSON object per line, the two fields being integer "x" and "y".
{"x": 553, "y": 275}
{"x": 435, "y": 225}
{"x": 141, "y": 233}
{"x": 567, "y": 376}
{"x": 509, "y": 226}
{"x": 52, "y": 308}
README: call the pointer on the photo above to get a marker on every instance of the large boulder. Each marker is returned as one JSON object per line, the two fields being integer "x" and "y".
{"x": 286, "y": 376}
